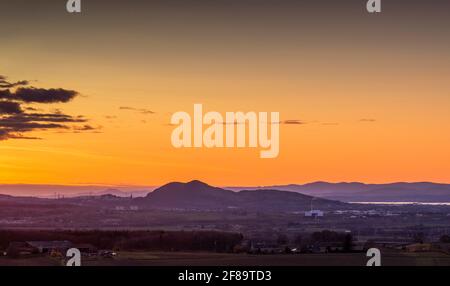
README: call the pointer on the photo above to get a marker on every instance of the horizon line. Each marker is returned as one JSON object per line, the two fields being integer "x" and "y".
{"x": 100, "y": 185}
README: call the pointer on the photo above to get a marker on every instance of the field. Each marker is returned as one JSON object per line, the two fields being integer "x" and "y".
{"x": 389, "y": 258}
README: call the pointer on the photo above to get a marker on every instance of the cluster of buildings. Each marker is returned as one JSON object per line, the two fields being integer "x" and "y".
{"x": 53, "y": 248}
{"x": 314, "y": 213}
{"x": 126, "y": 208}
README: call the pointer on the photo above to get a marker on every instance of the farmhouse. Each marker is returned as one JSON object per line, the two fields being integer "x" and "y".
{"x": 49, "y": 246}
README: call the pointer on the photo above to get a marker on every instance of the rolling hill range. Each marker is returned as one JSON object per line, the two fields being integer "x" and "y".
{"x": 194, "y": 195}
{"x": 198, "y": 195}
{"x": 359, "y": 192}
{"x": 425, "y": 192}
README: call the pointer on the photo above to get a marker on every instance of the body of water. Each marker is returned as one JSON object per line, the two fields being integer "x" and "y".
{"x": 403, "y": 203}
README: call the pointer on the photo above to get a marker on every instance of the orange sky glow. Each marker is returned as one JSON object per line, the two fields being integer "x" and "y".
{"x": 373, "y": 103}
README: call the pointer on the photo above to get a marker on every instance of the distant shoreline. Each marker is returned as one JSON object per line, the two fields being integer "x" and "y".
{"x": 402, "y": 203}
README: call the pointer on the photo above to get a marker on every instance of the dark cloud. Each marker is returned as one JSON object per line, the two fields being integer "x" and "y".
{"x": 6, "y": 84}
{"x": 43, "y": 117}
{"x": 12, "y": 126}
{"x": 31, "y": 108}
{"x": 15, "y": 120}
{"x": 7, "y": 107}
{"x": 38, "y": 95}
{"x": 140, "y": 110}
{"x": 20, "y": 136}
{"x": 19, "y": 125}
{"x": 4, "y": 134}
{"x": 8, "y": 134}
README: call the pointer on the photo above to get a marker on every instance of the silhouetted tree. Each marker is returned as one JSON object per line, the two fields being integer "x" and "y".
{"x": 298, "y": 239}
{"x": 419, "y": 237}
{"x": 348, "y": 242}
{"x": 282, "y": 239}
{"x": 445, "y": 239}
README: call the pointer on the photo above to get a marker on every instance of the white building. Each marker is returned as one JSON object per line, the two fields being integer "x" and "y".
{"x": 314, "y": 213}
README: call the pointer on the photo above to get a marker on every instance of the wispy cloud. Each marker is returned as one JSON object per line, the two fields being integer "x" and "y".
{"x": 15, "y": 120}
{"x": 292, "y": 122}
{"x": 140, "y": 110}
{"x": 367, "y": 120}
{"x": 6, "y": 84}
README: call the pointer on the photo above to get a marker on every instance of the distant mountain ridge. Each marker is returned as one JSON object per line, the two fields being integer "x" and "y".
{"x": 360, "y": 192}
{"x": 199, "y": 195}
{"x": 293, "y": 197}
{"x": 54, "y": 191}
{"x": 195, "y": 195}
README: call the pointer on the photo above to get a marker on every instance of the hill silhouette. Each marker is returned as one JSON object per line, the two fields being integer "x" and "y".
{"x": 199, "y": 195}
{"x": 354, "y": 191}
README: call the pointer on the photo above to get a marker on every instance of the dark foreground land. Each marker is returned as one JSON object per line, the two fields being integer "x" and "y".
{"x": 389, "y": 258}
{"x": 197, "y": 224}
{"x": 211, "y": 248}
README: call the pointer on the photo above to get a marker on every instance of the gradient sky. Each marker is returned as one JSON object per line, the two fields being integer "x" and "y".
{"x": 372, "y": 91}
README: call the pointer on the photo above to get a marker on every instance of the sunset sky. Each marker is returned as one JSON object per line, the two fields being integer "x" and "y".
{"x": 372, "y": 92}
